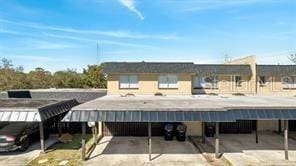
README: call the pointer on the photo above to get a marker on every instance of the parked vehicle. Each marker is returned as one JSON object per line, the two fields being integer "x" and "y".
{"x": 181, "y": 132}
{"x": 18, "y": 136}
{"x": 168, "y": 132}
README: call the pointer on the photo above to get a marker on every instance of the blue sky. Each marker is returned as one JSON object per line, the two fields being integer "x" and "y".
{"x": 60, "y": 34}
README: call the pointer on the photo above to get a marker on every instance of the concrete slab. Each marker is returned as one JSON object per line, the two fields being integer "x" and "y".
{"x": 22, "y": 158}
{"x": 241, "y": 149}
{"x": 126, "y": 151}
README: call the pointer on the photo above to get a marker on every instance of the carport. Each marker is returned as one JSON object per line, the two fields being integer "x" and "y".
{"x": 150, "y": 109}
{"x": 32, "y": 110}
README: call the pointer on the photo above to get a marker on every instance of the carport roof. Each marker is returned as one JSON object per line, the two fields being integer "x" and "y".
{"x": 32, "y": 110}
{"x": 183, "y": 108}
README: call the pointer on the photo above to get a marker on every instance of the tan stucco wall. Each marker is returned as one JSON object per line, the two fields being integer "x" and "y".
{"x": 148, "y": 85}
{"x": 274, "y": 86}
{"x": 227, "y": 85}
{"x": 251, "y": 80}
{"x": 267, "y": 125}
{"x": 194, "y": 128}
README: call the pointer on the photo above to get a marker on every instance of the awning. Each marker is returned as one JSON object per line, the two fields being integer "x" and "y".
{"x": 183, "y": 108}
{"x": 31, "y": 110}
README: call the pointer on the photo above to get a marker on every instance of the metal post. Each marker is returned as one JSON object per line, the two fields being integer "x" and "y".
{"x": 280, "y": 126}
{"x": 256, "y": 131}
{"x": 286, "y": 139}
{"x": 60, "y": 126}
{"x": 203, "y": 132}
{"x": 149, "y": 140}
{"x": 42, "y": 144}
{"x": 83, "y": 141}
{"x": 217, "y": 140}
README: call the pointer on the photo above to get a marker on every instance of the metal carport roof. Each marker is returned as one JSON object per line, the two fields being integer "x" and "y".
{"x": 32, "y": 110}
{"x": 183, "y": 108}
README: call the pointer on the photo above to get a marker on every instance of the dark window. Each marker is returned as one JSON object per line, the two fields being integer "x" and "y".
{"x": 262, "y": 80}
{"x": 238, "y": 80}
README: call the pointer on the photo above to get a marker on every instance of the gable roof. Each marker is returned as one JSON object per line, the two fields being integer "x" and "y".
{"x": 276, "y": 70}
{"x": 163, "y": 67}
{"x": 225, "y": 69}
{"x": 147, "y": 67}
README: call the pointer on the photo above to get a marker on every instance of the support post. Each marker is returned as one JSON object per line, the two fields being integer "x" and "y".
{"x": 149, "y": 140}
{"x": 42, "y": 144}
{"x": 203, "y": 133}
{"x": 96, "y": 132}
{"x": 256, "y": 131}
{"x": 217, "y": 140}
{"x": 286, "y": 139}
{"x": 83, "y": 141}
{"x": 60, "y": 125}
{"x": 280, "y": 127}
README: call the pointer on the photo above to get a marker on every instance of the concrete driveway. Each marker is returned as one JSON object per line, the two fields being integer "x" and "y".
{"x": 22, "y": 158}
{"x": 133, "y": 151}
{"x": 241, "y": 149}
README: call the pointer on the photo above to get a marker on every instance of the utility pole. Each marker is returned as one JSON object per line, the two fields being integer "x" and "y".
{"x": 98, "y": 52}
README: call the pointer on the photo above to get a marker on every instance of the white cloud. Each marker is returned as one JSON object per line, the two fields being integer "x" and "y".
{"x": 202, "y": 5}
{"x": 5, "y": 31}
{"x": 43, "y": 44}
{"x": 36, "y": 58}
{"x": 130, "y": 4}
{"x": 92, "y": 40}
{"x": 115, "y": 34}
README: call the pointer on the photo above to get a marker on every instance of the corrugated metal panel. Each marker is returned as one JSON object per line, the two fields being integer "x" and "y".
{"x": 38, "y": 114}
{"x": 178, "y": 116}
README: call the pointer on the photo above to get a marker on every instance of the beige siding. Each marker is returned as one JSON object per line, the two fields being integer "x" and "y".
{"x": 193, "y": 128}
{"x": 267, "y": 125}
{"x": 148, "y": 85}
{"x": 274, "y": 86}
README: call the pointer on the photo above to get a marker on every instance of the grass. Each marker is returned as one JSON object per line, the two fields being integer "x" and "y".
{"x": 70, "y": 151}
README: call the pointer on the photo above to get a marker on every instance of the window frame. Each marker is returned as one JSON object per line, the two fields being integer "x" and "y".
{"x": 203, "y": 84}
{"x": 262, "y": 83}
{"x": 167, "y": 82}
{"x": 238, "y": 82}
{"x": 129, "y": 82}
{"x": 289, "y": 85}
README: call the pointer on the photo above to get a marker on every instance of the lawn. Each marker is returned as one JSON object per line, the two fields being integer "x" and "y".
{"x": 59, "y": 152}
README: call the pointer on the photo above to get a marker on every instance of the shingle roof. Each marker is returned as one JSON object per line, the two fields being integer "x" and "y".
{"x": 276, "y": 70}
{"x": 158, "y": 67}
{"x": 147, "y": 67}
{"x": 229, "y": 69}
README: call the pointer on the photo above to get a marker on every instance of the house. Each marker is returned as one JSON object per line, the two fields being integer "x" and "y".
{"x": 242, "y": 97}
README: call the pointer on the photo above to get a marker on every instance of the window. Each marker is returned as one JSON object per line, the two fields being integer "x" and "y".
{"x": 128, "y": 82}
{"x": 238, "y": 80}
{"x": 208, "y": 82}
{"x": 289, "y": 82}
{"x": 262, "y": 80}
{"x": 168, "y": 82}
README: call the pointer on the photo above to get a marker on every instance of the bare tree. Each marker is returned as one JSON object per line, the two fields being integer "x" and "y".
{"x": 292, "y": 58}
{"x": 6, "y": 63}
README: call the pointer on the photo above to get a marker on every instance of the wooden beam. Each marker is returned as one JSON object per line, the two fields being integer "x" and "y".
{"x": 217, "y": 140}
{"x": 203, "y": 132}
{"x": 286, "y": 139}
{"x": 149, "y": 140}
{"x": 60, "y": 125}
{"x": 83, "y": 126}
{"x": 42, "y": 143}
{"x": 96, "y": 132}
{"x": 280, "y": 126}
{"x": 256, "y": 131}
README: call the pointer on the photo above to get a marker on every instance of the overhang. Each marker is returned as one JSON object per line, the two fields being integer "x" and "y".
{"x": 183, "y": 108}
{"x": 31, "y": 110}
